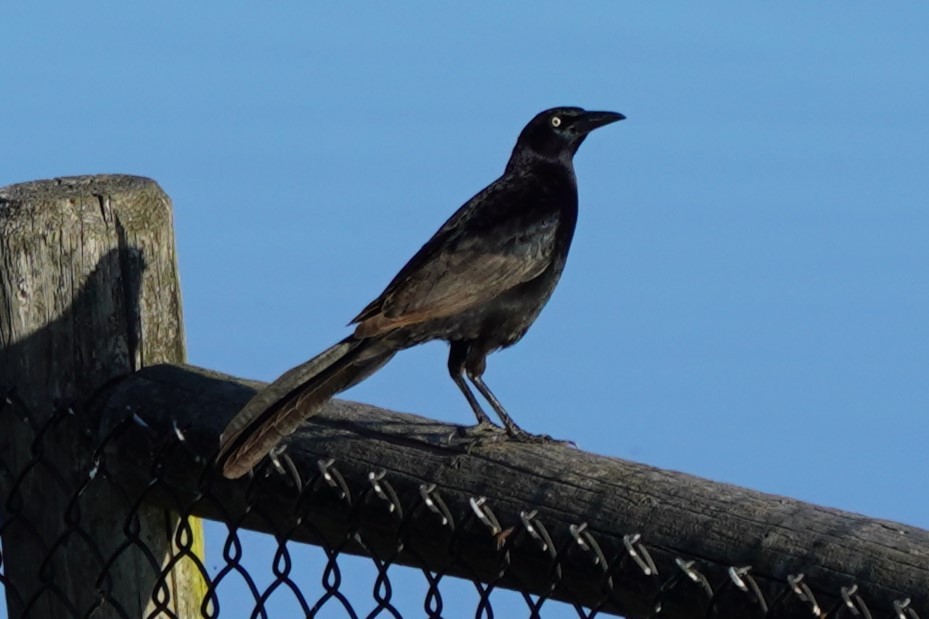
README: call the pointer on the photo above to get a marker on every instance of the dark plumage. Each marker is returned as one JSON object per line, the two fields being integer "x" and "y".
{"x": 478, "y": 283}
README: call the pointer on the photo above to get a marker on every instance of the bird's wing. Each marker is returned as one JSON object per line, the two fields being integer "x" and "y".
{"x": 476, "y": 256}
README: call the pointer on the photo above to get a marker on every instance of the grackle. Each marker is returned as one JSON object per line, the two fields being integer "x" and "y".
{"x": 478, "y": 283}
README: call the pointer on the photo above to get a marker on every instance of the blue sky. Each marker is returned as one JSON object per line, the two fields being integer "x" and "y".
{"x": 747, "y": 297}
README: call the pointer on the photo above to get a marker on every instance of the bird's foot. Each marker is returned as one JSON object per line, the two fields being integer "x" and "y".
{"x": 521, "y": 436}
{"x": 484, "y": 428}
{"x": 476, "y": 435}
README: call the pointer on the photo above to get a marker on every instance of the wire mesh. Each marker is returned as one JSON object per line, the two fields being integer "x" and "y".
{"x": 346, "y": 571}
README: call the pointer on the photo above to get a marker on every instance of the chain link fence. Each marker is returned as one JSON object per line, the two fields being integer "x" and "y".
{"x": 320, "y": 558}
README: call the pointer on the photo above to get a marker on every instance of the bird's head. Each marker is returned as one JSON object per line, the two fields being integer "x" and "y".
{"x": 557, "y": 133}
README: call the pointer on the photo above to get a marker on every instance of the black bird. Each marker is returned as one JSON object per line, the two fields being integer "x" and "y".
{"x": 478, "y": 283}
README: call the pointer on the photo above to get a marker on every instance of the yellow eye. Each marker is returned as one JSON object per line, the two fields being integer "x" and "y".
{"x": 556, "y": 121}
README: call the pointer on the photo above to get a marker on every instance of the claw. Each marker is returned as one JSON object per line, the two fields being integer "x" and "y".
{"x": 539, "y": 439}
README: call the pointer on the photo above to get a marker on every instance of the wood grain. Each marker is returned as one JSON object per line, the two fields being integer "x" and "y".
{"x": 89, "y": 292}
{"x": 678, "y": 516}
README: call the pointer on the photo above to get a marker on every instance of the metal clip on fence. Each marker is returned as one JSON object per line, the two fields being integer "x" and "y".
{"x": 177, "y": 431}
{"x": 334, "y": 479}
{"x": 640, "y": 554}
{"x": 575, "y": 530}
{"x": 688, "y": 569}
{"x": 742, "y": 579}
{"x": 274, "y": 456}
{"x": 97, "y": 457}
{"x": 485, "y": 514}
{"x": 903, "y": 610}
{"x": 19, "y": 408}
{"x": 434, "y": 503}
{"x": 803, "y": 593}
{"x": 537, "y": 531}
{"x": 587, "y": 543}
{"x": 384, "y": 491}
{"x": 849, "y": 603}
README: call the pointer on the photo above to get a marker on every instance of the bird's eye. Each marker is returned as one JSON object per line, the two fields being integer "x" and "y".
{"x": 556, "y": 121}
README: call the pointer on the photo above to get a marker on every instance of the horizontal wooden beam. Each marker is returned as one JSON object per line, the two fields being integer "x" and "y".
{"x": 544, "y": 518}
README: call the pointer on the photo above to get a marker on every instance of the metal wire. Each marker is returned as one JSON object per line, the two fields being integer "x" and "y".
{"x": 359, "y": 502}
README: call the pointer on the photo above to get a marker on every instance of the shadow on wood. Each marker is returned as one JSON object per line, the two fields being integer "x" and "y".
{"x": 88, "y": 294}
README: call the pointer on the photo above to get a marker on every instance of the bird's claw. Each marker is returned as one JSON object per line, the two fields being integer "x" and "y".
{"x": 483, "y": 428}
{"x": 485, "y": 433}
{"x": 474, "y": 436}
{"x": 522, "y": 436}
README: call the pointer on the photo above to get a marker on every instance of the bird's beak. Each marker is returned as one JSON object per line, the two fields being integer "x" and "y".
{"x": 592, "y": 120}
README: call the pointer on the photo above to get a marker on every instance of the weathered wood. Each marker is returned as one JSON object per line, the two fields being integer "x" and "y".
{"x": 89, "y": 292}
{"x": 678, "y": 516}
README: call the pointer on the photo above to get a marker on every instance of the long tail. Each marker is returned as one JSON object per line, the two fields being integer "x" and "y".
{"x": 279, "y": 408}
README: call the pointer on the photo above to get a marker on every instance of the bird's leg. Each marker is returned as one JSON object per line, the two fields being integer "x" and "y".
{"x": 475, "y": 366}
{"x": 511, "y": 428}
{"x": 457, "y": 355}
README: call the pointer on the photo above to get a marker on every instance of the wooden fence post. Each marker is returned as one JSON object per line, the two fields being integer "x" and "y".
{"x": 89, "y": 292}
